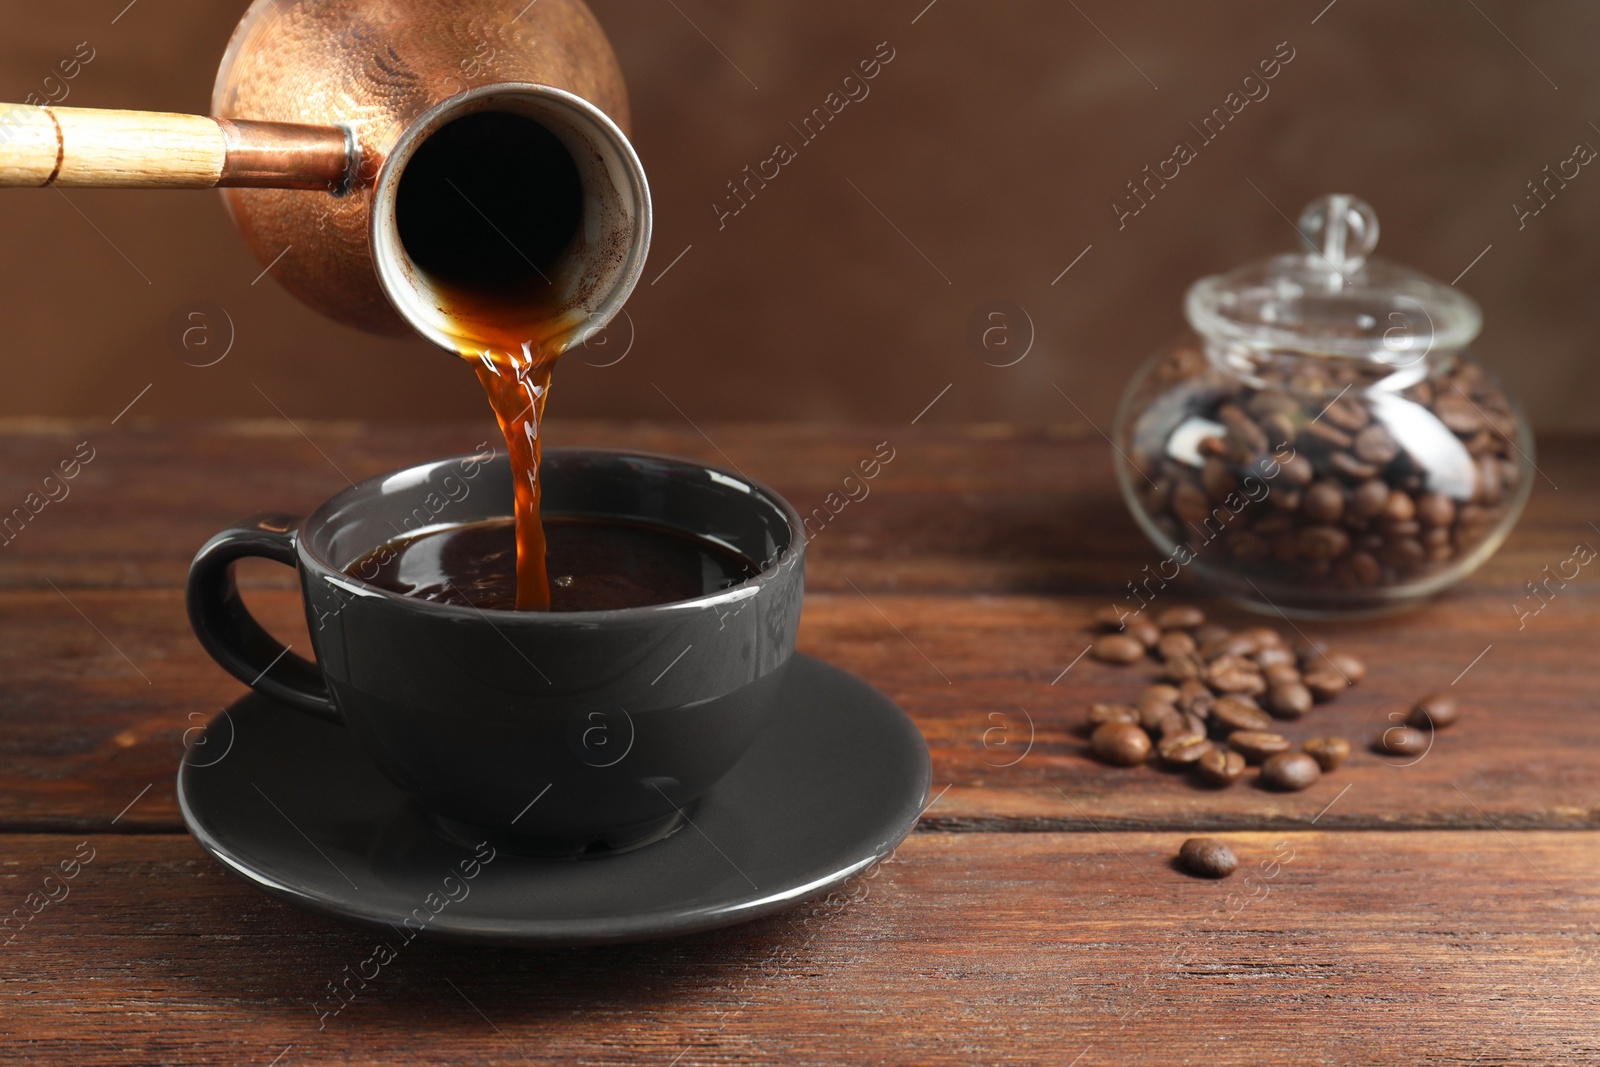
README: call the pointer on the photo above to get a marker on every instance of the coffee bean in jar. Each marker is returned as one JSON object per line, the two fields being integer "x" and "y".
{"x": 1323, "y": 445}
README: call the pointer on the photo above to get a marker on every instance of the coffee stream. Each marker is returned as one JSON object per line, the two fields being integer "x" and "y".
{"x": 517, "y": 387}
{"x": 487, "y": 208}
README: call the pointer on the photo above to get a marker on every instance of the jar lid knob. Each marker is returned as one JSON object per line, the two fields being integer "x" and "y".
{"x": 1341, "y": 230}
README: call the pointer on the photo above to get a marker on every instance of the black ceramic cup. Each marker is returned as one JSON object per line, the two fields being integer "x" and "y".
{"x": 553, "y": 732}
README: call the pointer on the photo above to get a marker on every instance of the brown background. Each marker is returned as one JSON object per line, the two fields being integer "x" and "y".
{"x": 994, "y": 141}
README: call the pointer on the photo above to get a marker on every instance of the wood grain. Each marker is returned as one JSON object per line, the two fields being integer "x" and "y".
{"x": 29, "y": 145}
{"x": 106, "y": 148}
{"x": 1453, "y": 948}
{"x": 980, "y": 509}
{"x": 960, "y": 586}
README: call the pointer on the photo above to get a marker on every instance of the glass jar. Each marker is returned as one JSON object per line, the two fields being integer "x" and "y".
{"x": 1322, "y": 444}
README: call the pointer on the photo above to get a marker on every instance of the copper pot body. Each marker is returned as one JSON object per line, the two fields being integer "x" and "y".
{"x": 375, "y": 68}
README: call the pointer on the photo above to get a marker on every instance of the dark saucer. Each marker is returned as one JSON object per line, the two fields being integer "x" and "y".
{"x": 289, "y": 803}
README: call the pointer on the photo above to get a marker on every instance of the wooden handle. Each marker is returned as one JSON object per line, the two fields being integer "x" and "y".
{"x": 70, "y": 146}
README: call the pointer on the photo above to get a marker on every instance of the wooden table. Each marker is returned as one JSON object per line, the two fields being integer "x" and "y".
{"x": 1446, "y": 912}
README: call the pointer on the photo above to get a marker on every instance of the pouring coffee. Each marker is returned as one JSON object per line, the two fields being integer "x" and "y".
{"x": 454, "y": 167}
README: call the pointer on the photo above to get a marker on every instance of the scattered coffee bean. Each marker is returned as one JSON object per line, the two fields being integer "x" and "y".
{"x": 1235, "y": 674}
{"x": 1162, "y": 694}
{"x": 1151, "y": 715}
{"x": 1204, "y": 711}
{"x": 1274, "y": 656}
{"x": 1329, "y": 752}
{"x": 1281, "y": 674}
{"x": 1182, "y": 669}
{"x": 1347, "y": 665}
{"x": 1168, "y": 725}
{"x": 1207, "y": 857}
{"x": 1289, "y": 771}
{"x": 1231, "y": 713}
{"x": 1256, "y": 746}
{"x": 1186, "y": 754}
{"x": 1174, "y": 644}
{"x": 1309, "y": 652}
{"x": 1195, "y": 697}
{"x": 1263, "y": 638}
{"x": 1144, "y": 631}
{"x": 1181, "y": 726}
{"x": 1181, "y": 617}
{"x": 1402, "y": 741}
{"x": 1122, "y": 744}
{"x": 1100, "y": 714}
{"x": 1290, "y": 700}
{"x": 1221, "y": 766}
{"x": 1241, "y": 645}
{"x": 1116, "y": 648}
{"x": 1155, "y": 701}
{"x": 1434, "y": 712}
{"x": 1325, "y": 683}
{"x": 1111, "y": 617}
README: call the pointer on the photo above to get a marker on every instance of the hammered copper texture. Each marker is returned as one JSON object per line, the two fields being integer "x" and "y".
{"x": 377, "y": 65}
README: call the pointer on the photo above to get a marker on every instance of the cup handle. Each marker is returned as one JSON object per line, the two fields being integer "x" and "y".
{"x": 228, "y": 632}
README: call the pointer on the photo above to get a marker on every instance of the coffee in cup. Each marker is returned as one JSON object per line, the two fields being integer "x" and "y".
{"x": 554, "y": 732}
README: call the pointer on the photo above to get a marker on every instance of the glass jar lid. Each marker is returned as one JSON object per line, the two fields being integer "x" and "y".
{"x": 1333, "y": 300}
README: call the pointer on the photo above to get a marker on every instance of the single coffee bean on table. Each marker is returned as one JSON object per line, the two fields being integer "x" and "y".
{"x": 1434, "y": 712}
{"x": 1402, "y": 741}
{"x": 1121, "y": 744}
{"x": 1290, "y": 771}
{"x": 1207, "y": 857}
